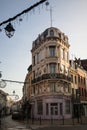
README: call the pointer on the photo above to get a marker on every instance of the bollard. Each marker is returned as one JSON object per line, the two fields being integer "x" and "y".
{"x": 51, "y": 121}
{"x": 73, "y": 120}
{"x": 32, "y": 120}
{"x": 63, "y": 120}
{"x": 81, "y": 119}
{"x": 40, "y": 120}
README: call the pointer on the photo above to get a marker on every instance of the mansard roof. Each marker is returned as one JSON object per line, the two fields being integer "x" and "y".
{"x": 50, "y": 33}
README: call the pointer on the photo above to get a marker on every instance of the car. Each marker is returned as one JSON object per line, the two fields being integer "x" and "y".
{"x": 17, "y": 115}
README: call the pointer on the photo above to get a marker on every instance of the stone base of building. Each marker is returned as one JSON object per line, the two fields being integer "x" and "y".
{"x": 55, "y": 106}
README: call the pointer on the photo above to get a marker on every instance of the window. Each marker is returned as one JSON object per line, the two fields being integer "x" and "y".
{"x": 33, "y": 60}
{"x": 63, "y": 68}
{"x": 67, "y": 107}
{"x": 33, "y": 74}
{"x": 33, "y": 90}
{"x": 82, "y": 92}
{"x": 51, "y": 33}
{"x": 37, "y": 57}
{"x": 67, "y": 56}
{"x": 39, "y": 107}
{"x": 63, "y": 53}
{"x": 71, "y": 78}
{"x": 47, "y": 109}
{"x": 54, "y": 108}
{"x": 78, "y": 78}
{"x": 61, "y": 109}
{"x": 52, "y": 68}
{"x": 84, "y": 80}
{"x": 52, "y": 87}
{"x": 72, "y": 91}
{"x": 69, "y": 89}
{"x": 52, "y": 51}
{"x": 75, "y": 80}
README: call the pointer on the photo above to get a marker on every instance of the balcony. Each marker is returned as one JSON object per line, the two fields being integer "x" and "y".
{"x": 56, "y": 76}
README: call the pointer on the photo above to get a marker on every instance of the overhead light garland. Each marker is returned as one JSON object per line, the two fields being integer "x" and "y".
{"x": 9, "y": 29}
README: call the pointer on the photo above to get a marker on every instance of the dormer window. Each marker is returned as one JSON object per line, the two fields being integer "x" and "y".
{"x": 51, "y": 33}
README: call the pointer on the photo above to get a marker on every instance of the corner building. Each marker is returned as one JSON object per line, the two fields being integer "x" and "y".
{"x": 51, "y": 82}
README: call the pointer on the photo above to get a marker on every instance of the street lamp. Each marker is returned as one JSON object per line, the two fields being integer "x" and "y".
{"x": 78, "y": 103}
{"x": 9, "y": 30}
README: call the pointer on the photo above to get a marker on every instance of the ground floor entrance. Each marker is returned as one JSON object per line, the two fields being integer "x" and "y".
{"x": 52, "y": 106}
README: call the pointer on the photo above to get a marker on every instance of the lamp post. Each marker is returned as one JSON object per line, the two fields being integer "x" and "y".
{"x": 78, "y": 102}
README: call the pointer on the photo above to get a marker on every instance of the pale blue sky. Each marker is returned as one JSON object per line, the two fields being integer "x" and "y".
{"x": 70, "y": 16}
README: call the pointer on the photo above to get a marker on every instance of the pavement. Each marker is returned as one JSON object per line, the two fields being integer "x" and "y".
{"x": 36, "y": 124}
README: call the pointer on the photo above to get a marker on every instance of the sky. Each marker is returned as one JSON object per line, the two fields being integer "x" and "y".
{"x": 70, "y": 16}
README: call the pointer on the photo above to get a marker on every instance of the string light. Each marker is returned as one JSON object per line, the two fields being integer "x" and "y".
{"x": 9, "y": 30}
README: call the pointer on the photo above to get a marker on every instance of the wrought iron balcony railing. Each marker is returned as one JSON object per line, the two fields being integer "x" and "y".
{"x": 57, "y": 76}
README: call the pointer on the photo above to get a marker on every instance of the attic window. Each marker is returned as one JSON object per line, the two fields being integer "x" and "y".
{"x": 51, "y": 33}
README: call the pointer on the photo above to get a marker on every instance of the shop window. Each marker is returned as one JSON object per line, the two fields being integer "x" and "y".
{"x": 47, "y": 109}
{"x": 54, "y": 108}
{"x": 40, "y": 107}
{"x": 61, "y": 109}
{"x": 67, "y": 106}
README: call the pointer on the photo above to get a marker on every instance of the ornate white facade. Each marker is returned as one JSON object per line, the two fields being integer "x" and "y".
{"x": 51, "y": 89}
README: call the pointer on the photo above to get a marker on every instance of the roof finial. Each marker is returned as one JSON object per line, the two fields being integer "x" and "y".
{"x": 51, "y": 16}
{"x": 47, "y": 3}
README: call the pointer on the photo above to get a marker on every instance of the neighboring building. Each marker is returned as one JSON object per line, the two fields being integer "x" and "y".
{"x": 3, "y": 101}
{"x": 8, "y": 106}
{"x": 82, "y": 90}
{"x": 74, "y": 86}
{"x": 27, "y": 84}
{"x": 84, "y": 63}
{"x": 79, "y": 88}
{"x": 51, "y": 88}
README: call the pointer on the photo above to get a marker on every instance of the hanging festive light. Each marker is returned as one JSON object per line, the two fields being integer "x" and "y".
{"x": 47, "y": 3}
{"x": 9, "y": 30}
{"x": 2, "y": 84}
